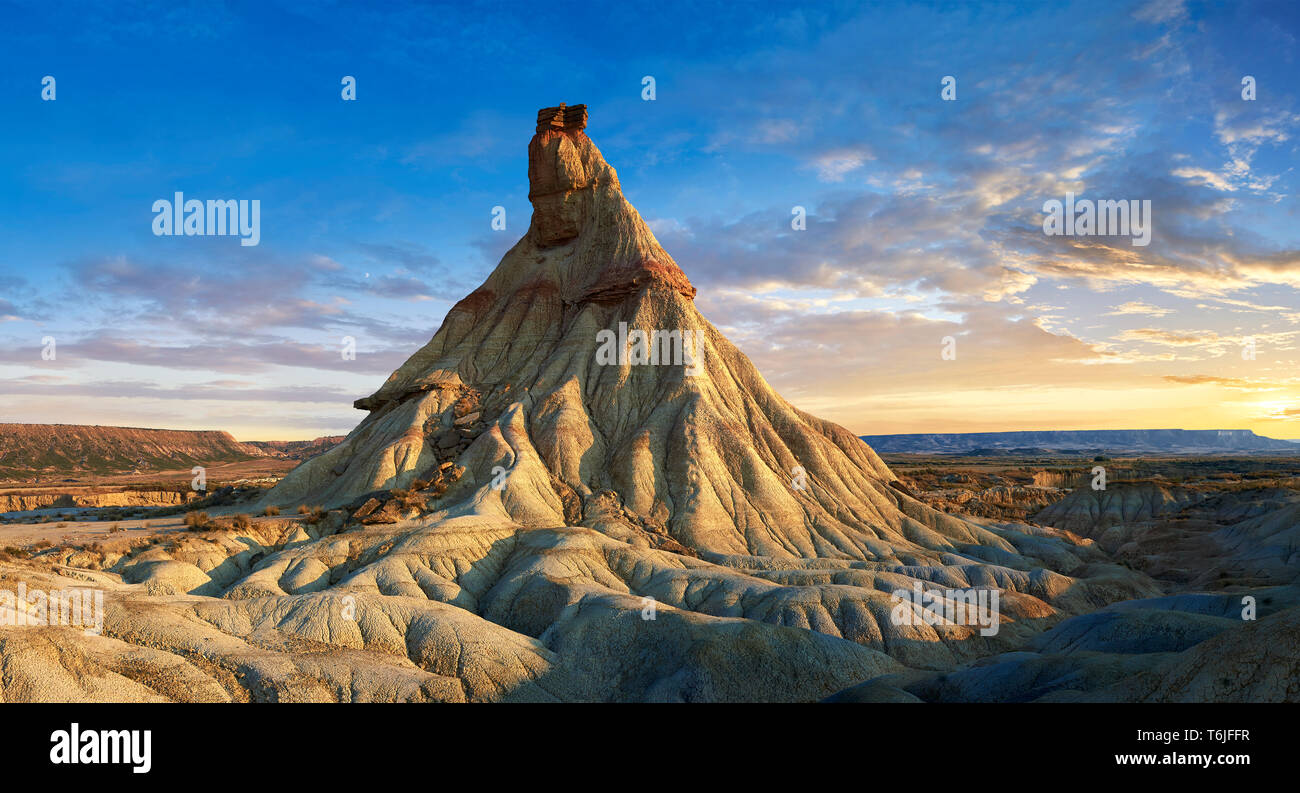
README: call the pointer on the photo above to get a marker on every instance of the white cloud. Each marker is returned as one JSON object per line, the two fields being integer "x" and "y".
{"x": 1138, "y": 307}
{"x": 1201, "y": 176}
{"x": 834, "y": 165}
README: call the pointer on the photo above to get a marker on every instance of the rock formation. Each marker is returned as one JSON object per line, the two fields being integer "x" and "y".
{"x": 543, "y": 504}
{"x": 513, "y": 380}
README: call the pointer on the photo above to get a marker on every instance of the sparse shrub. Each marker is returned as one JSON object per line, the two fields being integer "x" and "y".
{"x": 315, "y": 515}
{"x": 62, "y": 526}
{"x": 271, "y": 511}
{"x": 114, "y": 529}
{"x": 198, "y": 521}
{"x": 43, "y": 544}
{"x": 419, "y": 484}
{"x": 242, "y": 522}
{"x": 303, "y": 509}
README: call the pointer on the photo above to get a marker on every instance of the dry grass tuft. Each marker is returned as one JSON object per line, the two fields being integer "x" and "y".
{"x": 198, "y": 521}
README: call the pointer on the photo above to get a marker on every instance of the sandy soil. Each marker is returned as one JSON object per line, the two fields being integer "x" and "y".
{"x": 219, "y": 474}
{"x": 20, "y": 534}
{"x": 78, "y": 532}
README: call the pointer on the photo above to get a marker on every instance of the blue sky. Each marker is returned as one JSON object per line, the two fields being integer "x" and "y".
{"x": 924, "y": 216}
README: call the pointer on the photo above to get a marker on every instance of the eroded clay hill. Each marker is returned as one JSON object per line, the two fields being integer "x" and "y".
{"x": 514, "y": 378}
{"x": 523, "y": 514}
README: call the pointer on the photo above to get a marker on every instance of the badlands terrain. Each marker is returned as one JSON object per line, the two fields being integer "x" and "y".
{"x": 517, "y": 518}
{"x": 61, "y": 470}
{"x": 42, "y": 453}
{"x": 1080, "y": 442}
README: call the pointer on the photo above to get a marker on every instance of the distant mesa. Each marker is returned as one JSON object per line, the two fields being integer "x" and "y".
{"x": 1081, "y": 442}
{"x": 296, "y": 450}
{"x": 35, "y": 449}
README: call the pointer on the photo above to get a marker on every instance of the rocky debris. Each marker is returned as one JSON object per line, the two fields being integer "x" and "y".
{"x": 451, "y": 432}
{"x": 377, "y": 511}
{"x": 407, "y": 503}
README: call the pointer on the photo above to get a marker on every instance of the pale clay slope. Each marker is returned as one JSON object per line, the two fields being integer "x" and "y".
{"x": 1188, "y": 647}
{"x": 1252, "y": 535}
{"x": 1181, "y": 648}
{"x": 622, "y": 483}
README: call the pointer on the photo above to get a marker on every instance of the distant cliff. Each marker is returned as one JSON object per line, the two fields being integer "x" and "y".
{"x": 45, "y": 449}
{"x": 1082, "y": 442}
{"x": 297, "y": 450}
